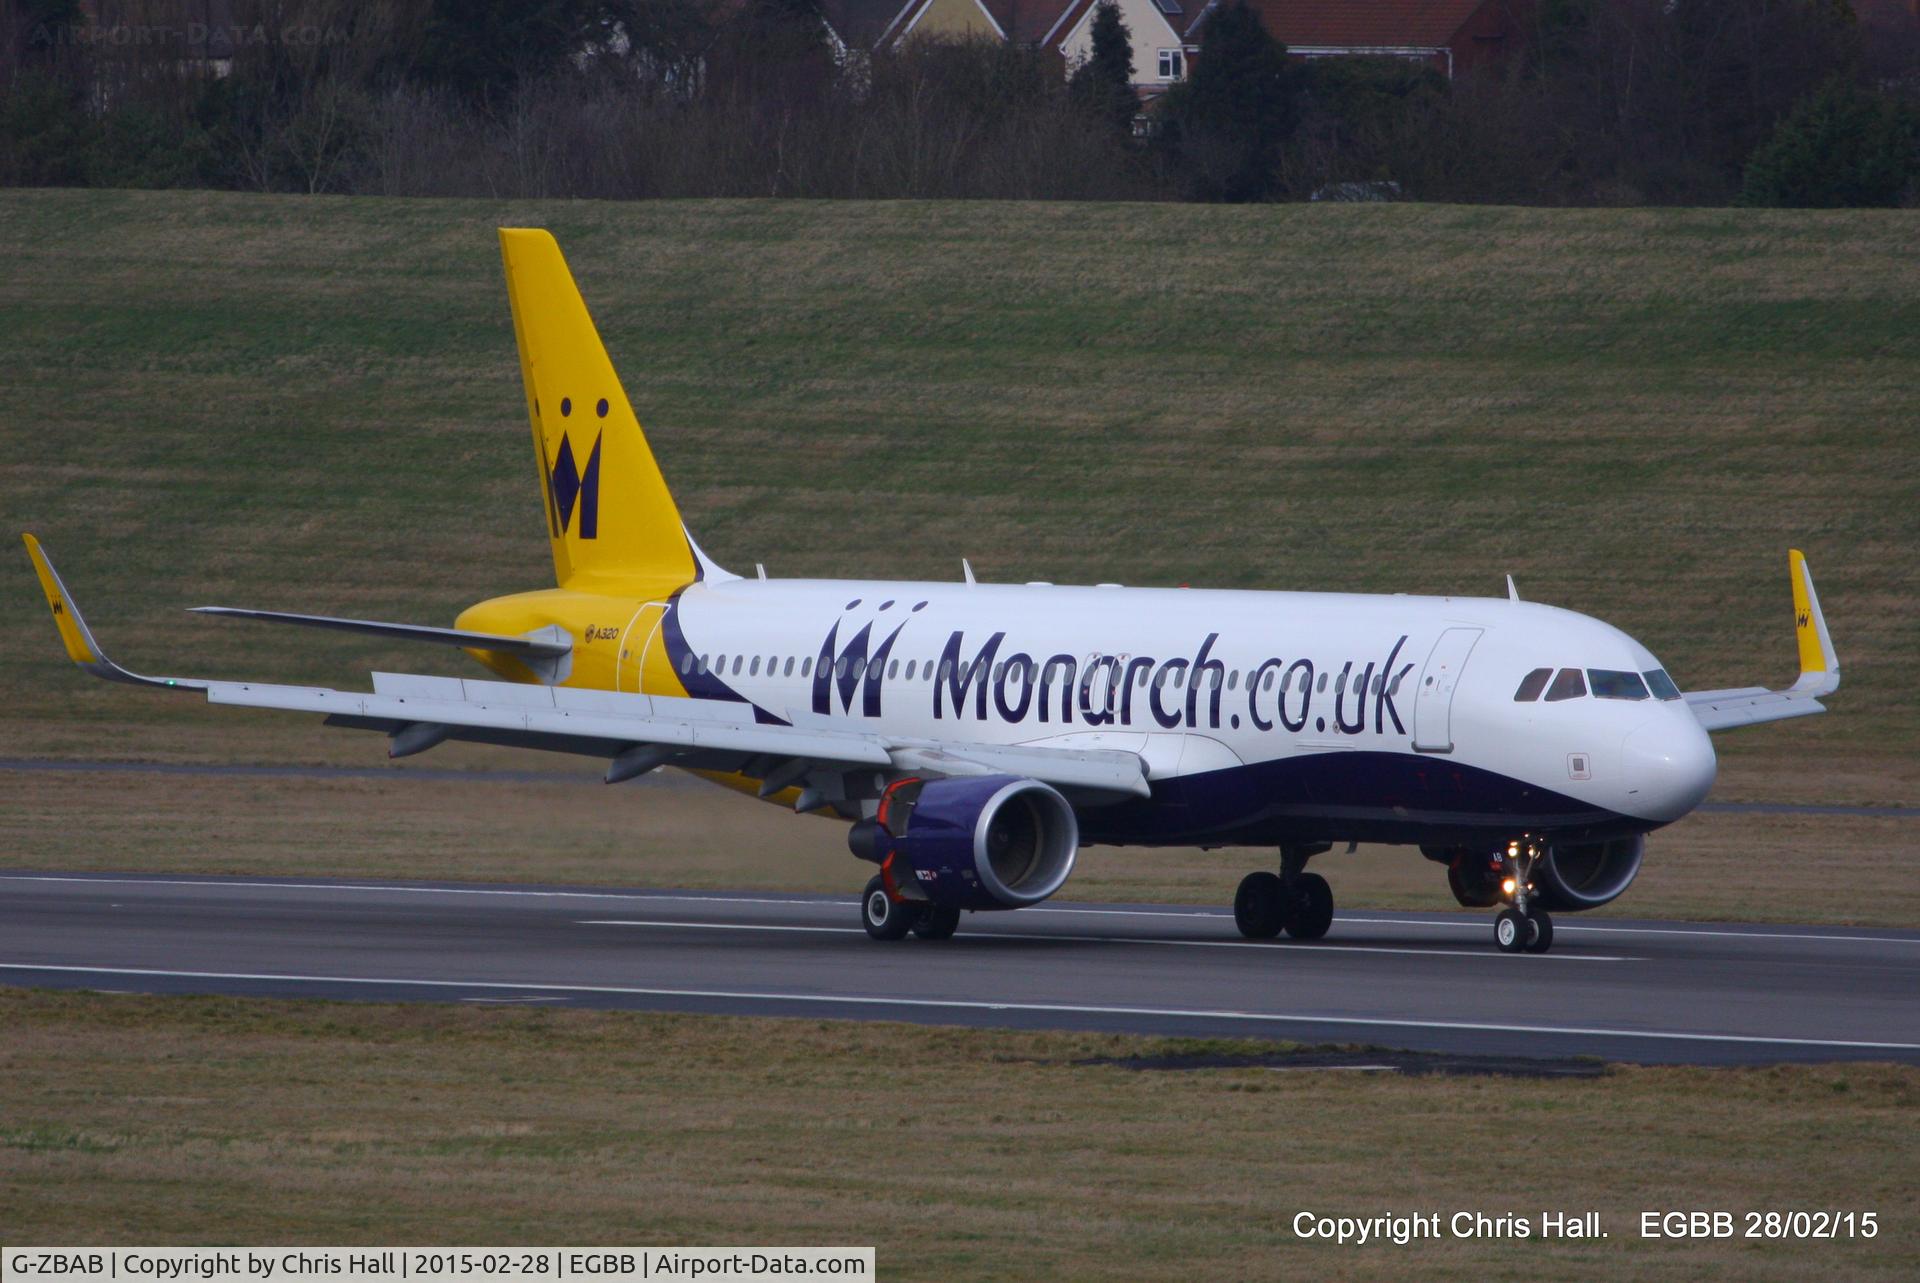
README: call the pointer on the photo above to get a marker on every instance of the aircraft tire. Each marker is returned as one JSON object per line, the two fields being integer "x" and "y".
{"x": 1540, "y": 931}
{"x": 1510, "y": 931}
{"x": 884, "y": 917}
{"x": 1260, "y": 906}
{"x": 1312, "y": 908}
{"x": 937, "y": 923}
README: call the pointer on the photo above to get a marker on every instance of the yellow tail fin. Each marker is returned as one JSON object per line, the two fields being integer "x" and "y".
{"x": 613, "y": 525}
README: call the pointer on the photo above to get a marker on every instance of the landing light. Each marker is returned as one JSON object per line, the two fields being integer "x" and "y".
{"x": 1507, "y": 886}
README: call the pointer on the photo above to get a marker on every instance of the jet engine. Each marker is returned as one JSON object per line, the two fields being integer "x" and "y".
{"x": 1570, "y": 876}
{"x": 1585, "y": 875}
{"x": 971, "y": 842}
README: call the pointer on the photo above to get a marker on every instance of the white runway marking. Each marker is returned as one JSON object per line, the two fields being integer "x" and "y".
{"x": 1466, "y": 924}
{"x": 996, "y": 934}
{"x": 954, "y": 1004}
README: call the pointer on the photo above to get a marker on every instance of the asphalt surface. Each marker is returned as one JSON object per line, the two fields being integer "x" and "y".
{"x": 1621, "y": 990}
{"x": 678, "y": 779}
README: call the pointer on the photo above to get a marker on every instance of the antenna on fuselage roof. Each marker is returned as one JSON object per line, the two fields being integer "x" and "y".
{"x": 1513, "y": 594}
{"x": 966, "y": 569}
{"x": 761, "y": 566}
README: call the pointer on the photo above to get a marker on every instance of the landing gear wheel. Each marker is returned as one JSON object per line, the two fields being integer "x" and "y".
{"x": 937, "y": 923}
{"x": 1312, "y": 907}
{"x": 1540, "y": 938}
{"x": 1510, "y": 931}
{"x": 1260, "y": 906}
{"x": 883, "y": 916}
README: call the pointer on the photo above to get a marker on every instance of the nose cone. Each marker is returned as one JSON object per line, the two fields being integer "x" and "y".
{"x": 1667, "y": 765}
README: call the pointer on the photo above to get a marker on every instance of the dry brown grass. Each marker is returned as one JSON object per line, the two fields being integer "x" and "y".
{"x": 960, "y": 1153}
{"x": 673, "y": 831}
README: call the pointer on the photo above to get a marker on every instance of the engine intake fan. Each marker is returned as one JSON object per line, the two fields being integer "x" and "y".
{"x": 972, "y": 842}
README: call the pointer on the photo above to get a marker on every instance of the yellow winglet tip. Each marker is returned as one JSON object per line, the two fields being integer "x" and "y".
{"x": 1808, "y": 626}
{"x": 66, "y": 617}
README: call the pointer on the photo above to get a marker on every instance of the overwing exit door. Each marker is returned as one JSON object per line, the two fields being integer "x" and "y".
{"x": 1433, "y": 705}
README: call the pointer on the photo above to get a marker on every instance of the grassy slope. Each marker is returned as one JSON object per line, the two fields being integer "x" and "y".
{"x": 961, "y": 1154}
{"x": 313, "y": 404}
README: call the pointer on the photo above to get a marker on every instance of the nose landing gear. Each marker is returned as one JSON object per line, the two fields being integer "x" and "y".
{"x": 1525, "y": 927}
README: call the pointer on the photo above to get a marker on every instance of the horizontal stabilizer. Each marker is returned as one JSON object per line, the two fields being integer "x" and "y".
{"x": 528, "y": 647}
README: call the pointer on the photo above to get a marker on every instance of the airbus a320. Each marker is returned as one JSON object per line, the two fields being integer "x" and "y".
{"x": 975, "y": 736}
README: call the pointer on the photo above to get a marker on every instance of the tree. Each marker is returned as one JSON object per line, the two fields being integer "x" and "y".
{"x": 1840, "y": 146}
{"x": 1226, "y": 123}
{"x": 484, "y": 49}
{"x": 1104, "y": 82}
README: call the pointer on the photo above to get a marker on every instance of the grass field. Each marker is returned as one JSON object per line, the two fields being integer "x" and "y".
{"x": 960, "y": 1154}
{"x": 680, "y": 832}
{"x": 314, "y": 404}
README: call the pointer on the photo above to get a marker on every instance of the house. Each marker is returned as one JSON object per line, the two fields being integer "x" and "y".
{"x": 1065, "y": 27}
{"x": 872, "y": 24}
{"x": 1452, "y": 36}
{"x": 1161, "y": 53}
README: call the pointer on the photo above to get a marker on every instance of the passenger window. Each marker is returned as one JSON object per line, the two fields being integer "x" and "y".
{"x": 702, "y": 665}
{"x": 1663, "y": 687}
{"x": 1267, "y": 683}
{"x": 736, "y": 665}
{"x": 1379, "y": 683}
{"x": 1233, "y": 680}
{"x": 755, "y": 670}
{"x": 1323, "y": 683}
{"x": 1611, "y": 684}
{"x": 789, "y": 671}
{"x": 806, "y": 666}
{"x": 1568, "y": 685}
{"x": 686, "y": 663}
{"x": 1531, "y": 685}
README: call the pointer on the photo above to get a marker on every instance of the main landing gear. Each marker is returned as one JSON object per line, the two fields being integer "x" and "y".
{"x": 1293, "y": 900}
{"x": 886, "y": 918}
{"x": 1524, "y": 926}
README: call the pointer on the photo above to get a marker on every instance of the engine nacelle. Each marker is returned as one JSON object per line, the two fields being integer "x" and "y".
{"x": 1586, "y": 875}
{"x": 972, "y": 842}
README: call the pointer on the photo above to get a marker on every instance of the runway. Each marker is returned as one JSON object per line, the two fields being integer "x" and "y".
{"x": 1654, "y": 992}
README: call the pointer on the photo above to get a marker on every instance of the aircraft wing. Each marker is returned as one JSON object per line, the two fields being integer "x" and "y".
{"x": 1720, "y": 710}
{"x": 633, "y": 732}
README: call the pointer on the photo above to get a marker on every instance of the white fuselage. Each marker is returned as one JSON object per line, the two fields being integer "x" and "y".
{"x": 1261, "y": 715}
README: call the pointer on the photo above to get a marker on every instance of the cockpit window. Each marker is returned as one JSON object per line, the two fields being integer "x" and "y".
{"x": 1531, "y": 685}
{"x": 1663, "y": 687}
{"x": 1610, "y": 684}
{"x": 1568, "y": 685}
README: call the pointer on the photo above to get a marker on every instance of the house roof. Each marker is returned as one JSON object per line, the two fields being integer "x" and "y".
{"x": 1029, "y": 21}
{"x": 1368, "y": 24}
{"x": 861, "y": 23}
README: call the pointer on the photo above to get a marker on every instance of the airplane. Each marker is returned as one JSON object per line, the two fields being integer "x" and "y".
{"x": 975, "y": 736}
